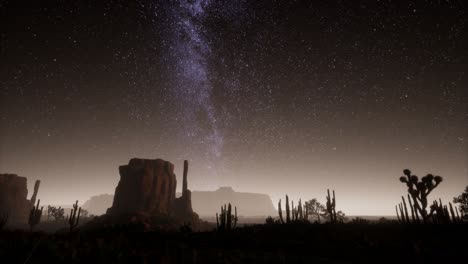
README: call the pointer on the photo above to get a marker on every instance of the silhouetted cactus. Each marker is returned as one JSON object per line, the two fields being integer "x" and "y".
{"x": 226, "y": 220}
{"x": 443, "y": 214}
{"x": 331, "y": 204}
{"x": 419, "y": 191}
{"x": 288, "y": 213}
{"x": 293, "y": 214}
{"x": 74, "y": 218}
{"x": 35, "y": 215}
{"x": 280, "y": 212}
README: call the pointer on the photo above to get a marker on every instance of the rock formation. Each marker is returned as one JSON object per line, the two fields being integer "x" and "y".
{"x": 13, "y": 197}
{"x": 148, "y": 187}
{"x": 183, "y": 204}
{"x": 97, "y": 205}
{"x": 207, "y": 203}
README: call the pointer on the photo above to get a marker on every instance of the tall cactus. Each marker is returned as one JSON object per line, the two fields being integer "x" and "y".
{"x": 74, "y": 218}
{"x": 280, "y": 212}
{"x": 226, "y": 221}
{"x": 331, "y": 204}
{"x": 35, "y": 215}
{"x": 293, "y": 214}
{"x": 419, "y": 191}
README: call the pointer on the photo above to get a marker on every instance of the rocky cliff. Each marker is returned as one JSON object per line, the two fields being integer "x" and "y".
{"x": 148, "y": 187}
{"x": 13, "y": 197}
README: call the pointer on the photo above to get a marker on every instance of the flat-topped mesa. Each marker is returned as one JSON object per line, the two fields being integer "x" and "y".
{"x": 13, "y": 197}
{"x": 145, "y": 186}
{"x": 148, "y": 186}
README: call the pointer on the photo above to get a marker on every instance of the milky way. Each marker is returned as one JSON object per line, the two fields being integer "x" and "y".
{"x": 190, "y": 52}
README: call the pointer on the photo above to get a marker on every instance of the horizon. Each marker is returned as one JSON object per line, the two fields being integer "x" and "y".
{"x": 282, "y": 97}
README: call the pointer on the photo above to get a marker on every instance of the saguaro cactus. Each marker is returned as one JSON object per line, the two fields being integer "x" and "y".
{"x": 35, "y": 215}
{"x": 280, "y": 212}
{"x": 226, "y": 220}
{"x": 419, "y": 191}
{"x": 74, "y": 218}
{"x": 331, "y": 204}
{"x": 288, "y": 212}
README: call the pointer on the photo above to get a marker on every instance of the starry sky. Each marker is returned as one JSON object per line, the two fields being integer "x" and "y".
{"x": 276, "y": 97}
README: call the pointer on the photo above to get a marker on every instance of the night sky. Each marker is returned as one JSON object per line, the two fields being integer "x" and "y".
{"x": 276, "y": 97}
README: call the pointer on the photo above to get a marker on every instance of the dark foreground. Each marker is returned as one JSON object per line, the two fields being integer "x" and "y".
{"x": 345, "y": 243}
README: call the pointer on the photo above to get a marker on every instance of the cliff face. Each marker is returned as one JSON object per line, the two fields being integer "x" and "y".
{"x": 148, "y": 187}
{"x": 145, "y": 186}
{"x": 13, "y": 197}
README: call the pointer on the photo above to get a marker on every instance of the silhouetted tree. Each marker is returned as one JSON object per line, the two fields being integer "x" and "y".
{"x": 56, "y": 213}
{"x": 462, "y": 200}
{"x": 419, "y": 191}
{"x": 315, "y": 208}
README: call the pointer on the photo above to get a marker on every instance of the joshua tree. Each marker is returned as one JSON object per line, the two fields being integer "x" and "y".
{"x": 74, "y": 218}
{"x": 315, "y": 208}
{"x": 226, "y": 221}
{"x": 35, "y": 215}
{"x": 462, "y": 200}
{"x": 419, "y": 191}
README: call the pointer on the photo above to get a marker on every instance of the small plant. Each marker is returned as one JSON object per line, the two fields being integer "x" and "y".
{"x": 74, "y": 218}
{"x": 35, "y": 215}
{"x": 270, "y": 220}
{"x": 3, "y": 220}
{"x": 226, "y": 221}
{"x": 186, "y": 228}
{"x": 360, "y": 221}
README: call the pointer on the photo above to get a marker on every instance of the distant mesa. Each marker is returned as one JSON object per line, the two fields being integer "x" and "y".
{"x": 205, "y": 203}
{"x": 13, "y": 197}
{"x": 97, "y": 205}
